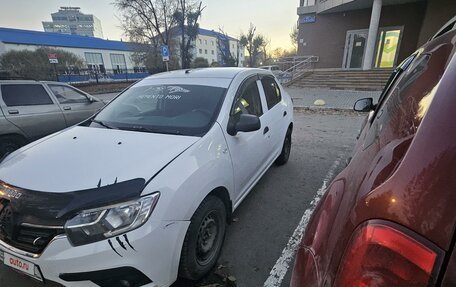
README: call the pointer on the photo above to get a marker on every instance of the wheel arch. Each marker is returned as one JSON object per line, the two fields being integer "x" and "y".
{"x": 222, "y": 193}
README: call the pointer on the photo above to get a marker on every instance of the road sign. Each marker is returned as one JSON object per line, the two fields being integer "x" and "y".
{"x": 53, "y": 58}
{"x": 165, "y": 53}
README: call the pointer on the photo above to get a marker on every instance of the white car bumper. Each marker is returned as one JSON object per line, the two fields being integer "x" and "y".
{"x": 153, "y": 250}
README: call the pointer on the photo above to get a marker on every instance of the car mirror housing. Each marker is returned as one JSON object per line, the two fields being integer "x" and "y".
{"x": 364, "y": 105}
{"x": 245, "y": 123}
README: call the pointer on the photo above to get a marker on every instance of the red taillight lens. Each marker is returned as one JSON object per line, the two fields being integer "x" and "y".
{"x": 380, "y": 255}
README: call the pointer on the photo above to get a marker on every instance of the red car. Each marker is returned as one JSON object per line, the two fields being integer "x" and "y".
{"x": 388, "y": 220}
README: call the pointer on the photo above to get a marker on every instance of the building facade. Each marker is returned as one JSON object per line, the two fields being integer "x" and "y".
{"x": 69, "y": 20}
{"x": 368, "y": 34}
{"x": 213, "y": 46}
{"x": 99, "y": 56}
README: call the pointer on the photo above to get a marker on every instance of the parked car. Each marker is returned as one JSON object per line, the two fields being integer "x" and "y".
{"x": 282, "y": 76}
{"x": 274, "y": 69}
{"x": 30, "y": 110}
{"x": 388, "y": 220}
{"x": 142, "y": 191}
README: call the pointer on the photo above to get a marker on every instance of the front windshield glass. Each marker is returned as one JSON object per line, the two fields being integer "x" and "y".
{"x": 169, "y": 109}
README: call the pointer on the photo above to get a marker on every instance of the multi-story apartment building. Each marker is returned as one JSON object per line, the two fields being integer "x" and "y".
{"x": 69, "y": 20}
{"x": 213, "y": 46}
{"x": 366, "y": 34}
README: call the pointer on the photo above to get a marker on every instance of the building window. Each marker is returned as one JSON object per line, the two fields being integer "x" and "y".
{"x": 306, "y": 3}
{"x": 201, "y": 41}
{"x": 118, "y": 63}
{"x": 212, "y": 43}
{"x": 205, "y": 42}
{"x": 205, "y": 51}
{"x": 212, "y": 52}
{"x": 200, "y": 51}
{"x": 95, "y": 62}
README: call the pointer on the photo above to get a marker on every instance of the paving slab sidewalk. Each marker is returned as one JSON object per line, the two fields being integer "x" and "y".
{"x": 334, "y": 99}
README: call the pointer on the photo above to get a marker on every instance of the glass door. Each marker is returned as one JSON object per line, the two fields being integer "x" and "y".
{"x": 355, "y": 47}
{"x": 388, "y": 47}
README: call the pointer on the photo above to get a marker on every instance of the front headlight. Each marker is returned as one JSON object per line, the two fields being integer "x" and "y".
{"x": 98, "y": 224}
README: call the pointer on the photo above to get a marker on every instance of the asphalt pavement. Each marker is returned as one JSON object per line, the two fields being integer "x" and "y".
{"x": 256, "y": 247}
{"x": 333, "y": 99}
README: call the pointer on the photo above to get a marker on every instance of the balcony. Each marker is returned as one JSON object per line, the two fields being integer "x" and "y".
{"x": 307, "y": 6}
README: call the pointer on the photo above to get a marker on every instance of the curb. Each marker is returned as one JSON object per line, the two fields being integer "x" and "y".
{"x": 314, "y": 109}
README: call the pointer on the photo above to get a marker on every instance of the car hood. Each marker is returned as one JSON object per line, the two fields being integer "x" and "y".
{"x": 83, "y": 158}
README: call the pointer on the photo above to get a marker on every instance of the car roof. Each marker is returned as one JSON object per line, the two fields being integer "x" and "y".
{"x": 18, "y": 81}
{"x": 221, "y": 73}
{"x": 29, "y": 82}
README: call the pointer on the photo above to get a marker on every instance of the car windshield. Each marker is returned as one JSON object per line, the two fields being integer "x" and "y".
{"x": 169, "y": 109}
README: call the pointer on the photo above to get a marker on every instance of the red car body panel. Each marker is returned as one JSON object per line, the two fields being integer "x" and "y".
{"x": 403, "y": 171}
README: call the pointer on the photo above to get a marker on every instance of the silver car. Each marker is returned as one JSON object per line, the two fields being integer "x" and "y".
{"x": 30, "y": 110}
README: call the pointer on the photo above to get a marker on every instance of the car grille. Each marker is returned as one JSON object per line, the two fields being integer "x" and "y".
{"x": 30, "y": 239}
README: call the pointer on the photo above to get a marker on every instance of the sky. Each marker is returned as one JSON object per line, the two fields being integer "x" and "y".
{"x": 274, "y": 18}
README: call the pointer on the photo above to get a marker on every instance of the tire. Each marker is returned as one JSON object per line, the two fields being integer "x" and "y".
{"x": 286, "y": 149}
{"x": 202, "y": 247}
{"x": 9, "y": 144}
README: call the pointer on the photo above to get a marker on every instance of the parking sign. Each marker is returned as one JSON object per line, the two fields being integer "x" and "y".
{"x": 165, "y": 53}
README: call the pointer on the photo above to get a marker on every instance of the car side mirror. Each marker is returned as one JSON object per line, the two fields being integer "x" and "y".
{"x": 245, "y": 123}
{"x": 364, "y": 105}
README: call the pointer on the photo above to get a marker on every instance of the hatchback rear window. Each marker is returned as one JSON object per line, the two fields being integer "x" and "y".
{"x": 25, "y": 95}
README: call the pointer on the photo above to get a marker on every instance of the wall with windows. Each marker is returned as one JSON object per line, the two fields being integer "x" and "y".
{"x": 96, "y": 59}
{"x": 325, "y": 36}
{"x": 206, "y": 47}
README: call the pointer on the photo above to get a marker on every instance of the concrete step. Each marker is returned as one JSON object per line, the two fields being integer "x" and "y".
{"x": 345, "y": 80}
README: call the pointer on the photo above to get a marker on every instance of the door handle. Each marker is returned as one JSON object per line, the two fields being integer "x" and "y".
{"x": 285, "y": 113}
{"x": 266, "y": 130}
{"x": 13, "y": 112}
{"x": 67, "y": 108}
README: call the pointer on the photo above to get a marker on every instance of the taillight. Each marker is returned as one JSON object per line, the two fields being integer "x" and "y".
{"x": 382, "y": 255}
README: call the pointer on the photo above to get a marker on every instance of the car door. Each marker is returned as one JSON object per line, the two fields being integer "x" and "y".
{"x": 248, "y": 150}
{"x": 29, "y": 107}
{"x": 76, "y": 106}
{"x": 274, "y": 118}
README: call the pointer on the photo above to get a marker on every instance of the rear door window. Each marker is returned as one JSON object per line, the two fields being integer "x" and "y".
{"x": 25, "y": 95}
{"x": 272, "y": 91}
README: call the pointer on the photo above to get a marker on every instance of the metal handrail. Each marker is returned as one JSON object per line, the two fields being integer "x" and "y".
{"x": 297, "y": 69}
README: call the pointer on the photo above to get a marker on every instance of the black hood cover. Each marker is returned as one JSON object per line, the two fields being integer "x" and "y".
{"x": 53, "y": 209}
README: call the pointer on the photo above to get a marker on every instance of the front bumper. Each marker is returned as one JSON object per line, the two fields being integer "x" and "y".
{"x": 153, "y": 250}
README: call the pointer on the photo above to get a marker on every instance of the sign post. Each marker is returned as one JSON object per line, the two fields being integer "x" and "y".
{"x": 165, "y": 56}
{"x": 54, "y": 61}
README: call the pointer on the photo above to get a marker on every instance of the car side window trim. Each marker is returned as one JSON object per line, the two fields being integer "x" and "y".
{"x": 396, "y": 75}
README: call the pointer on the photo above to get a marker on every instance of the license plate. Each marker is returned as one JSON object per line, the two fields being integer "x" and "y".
{"x": 21, "y": 265}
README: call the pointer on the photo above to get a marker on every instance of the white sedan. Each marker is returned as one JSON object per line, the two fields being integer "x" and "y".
{"x": 141, "y": 193}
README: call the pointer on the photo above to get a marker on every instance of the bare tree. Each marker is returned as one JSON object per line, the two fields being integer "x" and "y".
{"x": 253, "y": 44}
{"x": 187, "y": 16}
{"x": 294, "y": 34}
{"x": 229, "y": 58}
{"x": 148, "y": 19}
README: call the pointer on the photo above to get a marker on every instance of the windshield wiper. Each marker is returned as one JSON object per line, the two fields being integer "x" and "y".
{"x": 102, "y": 124}
{"x": 150, "y": 130}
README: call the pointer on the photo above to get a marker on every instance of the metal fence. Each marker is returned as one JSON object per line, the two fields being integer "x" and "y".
{"x": 100, "y": 76}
